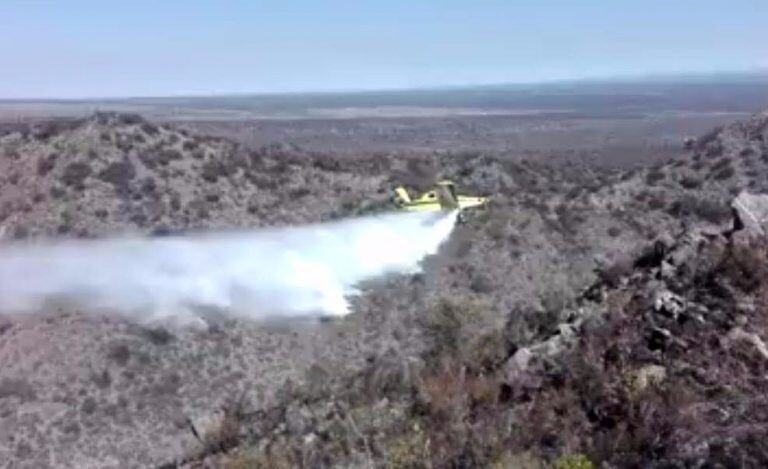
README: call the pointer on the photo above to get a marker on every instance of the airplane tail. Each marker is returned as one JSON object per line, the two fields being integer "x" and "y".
{"x": 446, "y": 198}
{"x": 402, "y": 195}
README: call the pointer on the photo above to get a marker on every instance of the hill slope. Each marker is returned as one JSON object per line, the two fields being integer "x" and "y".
{"x": 660, "y": 362}
{"x": 98, "y": 390}
{"x": 112, "y": 173}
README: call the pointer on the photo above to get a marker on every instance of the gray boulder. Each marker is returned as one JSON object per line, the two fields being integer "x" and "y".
{"x": 751, "y": 211}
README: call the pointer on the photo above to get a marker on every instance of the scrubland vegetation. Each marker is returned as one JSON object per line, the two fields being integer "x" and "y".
{"x": 589, "y": 316}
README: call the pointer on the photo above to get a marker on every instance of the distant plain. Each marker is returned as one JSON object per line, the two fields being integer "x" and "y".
{"x": 608, "y": 123}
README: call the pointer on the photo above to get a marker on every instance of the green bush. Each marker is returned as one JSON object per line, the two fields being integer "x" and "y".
{"x": 573, "y": 461}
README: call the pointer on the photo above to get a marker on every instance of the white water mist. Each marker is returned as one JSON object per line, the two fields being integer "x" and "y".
{"x": 308, "y": 270}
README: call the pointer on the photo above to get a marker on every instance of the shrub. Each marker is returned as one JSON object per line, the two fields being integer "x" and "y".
{"x": 129, "y": 119}
{"x": 46, "y": 130}
{"x": 46, "y": 164}
{"x": 63, "y": 228}
{"x": 102, "y": 380}
{"x": 569, "y": 219}
{"x": 275, "y": 456}
{"x": 20, "y": 388}
{"x": 299, "y": 192}
{"x": 709, "y": 137}
{"x": 57, "y": 192}
{"x": 175, "y": 203}
{"x": 330, "y": 163}
{"x": 627, "y": 175}
{"x": 745, "y": 152}
{"x": 573, "y": 461}
{"x": 526, "y": 326}
{"x": 746, "y": 267}
{"x": 149, "y": 129}
{"x": 147, "y": 160}
{"x": 724, "y": 173}
{"x": 445, "y": 325}
{"x": 124, "y": 143}
{"x": 612, "y": 274}
{"x": 614, "y": 231}
{"x": 653, "y": 176}
{"x": 705, "y": 209}
{"x": 119, "y": 353}
{"x": 213, "y": 170}
{"x": 164, "y": 157}
{"x": 139, "y": 219}
{"x": 690, "y": 182}
{"x": 224, "y": 434}
{"x": 76, "y": 173}
{"x": 657, "y": 201}
{"x": 88, "y": 406}
{"x": 119, "y": 174}
{"x": 573, "y": 193}
{"x": 149, "y": 185}
{"x": 158, "y": 335}
{"x": 419, "y": 173}
{"x": 721, "y": 163}
{"x": 20, "y": 232}
{"x": 481, "y": 284}
{"x": 714, "y": 149}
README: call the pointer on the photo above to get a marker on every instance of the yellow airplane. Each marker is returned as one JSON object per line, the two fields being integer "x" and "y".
{"x": 442, "y": 197}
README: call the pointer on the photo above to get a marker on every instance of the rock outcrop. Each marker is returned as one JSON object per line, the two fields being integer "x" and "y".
{"x": 751, "y": 215}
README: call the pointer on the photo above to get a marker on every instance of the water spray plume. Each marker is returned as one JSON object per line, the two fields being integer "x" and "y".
{"x": 299, "y": 271}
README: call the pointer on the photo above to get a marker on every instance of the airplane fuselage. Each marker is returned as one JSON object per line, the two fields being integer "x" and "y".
{"x": 442, "y": 197}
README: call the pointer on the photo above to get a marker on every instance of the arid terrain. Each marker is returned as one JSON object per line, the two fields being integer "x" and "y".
{"x": 600, "y": 310}
{"x": 607, "y": 123}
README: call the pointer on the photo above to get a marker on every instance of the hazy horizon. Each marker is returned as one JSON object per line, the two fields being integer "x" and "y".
{"x": 88, "y": 49}
{"x": 728, "y": 76}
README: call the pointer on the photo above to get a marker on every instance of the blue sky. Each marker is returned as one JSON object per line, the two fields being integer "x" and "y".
{"x": 79, "y": 48}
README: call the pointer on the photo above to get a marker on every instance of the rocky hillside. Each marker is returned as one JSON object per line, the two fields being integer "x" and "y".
{"x": 660, "y": 362}
{"x": 663, "y": 365}
{"x": 420, "y": 370}
{"x": 114, "y": 173}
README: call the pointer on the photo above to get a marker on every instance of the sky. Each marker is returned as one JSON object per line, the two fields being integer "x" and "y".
{"x": 106, "y": 48}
